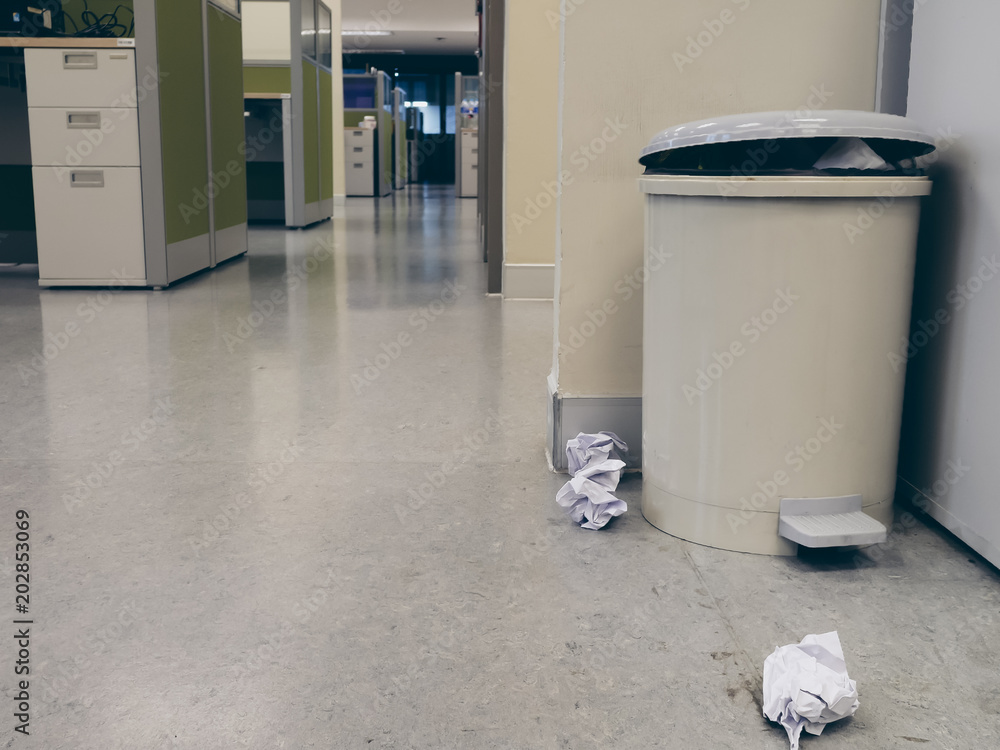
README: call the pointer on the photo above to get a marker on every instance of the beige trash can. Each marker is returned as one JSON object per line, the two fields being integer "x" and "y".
{"x": 773, "y": 374}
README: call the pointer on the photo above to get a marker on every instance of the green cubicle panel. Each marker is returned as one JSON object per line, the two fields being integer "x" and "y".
{"x": 326, "y": 134}
{"x": 183, "y": 120}
{"x": 259, "y": 79}
{"x": 225, "y": 58}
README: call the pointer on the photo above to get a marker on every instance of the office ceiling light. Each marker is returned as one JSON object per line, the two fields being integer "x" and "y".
{"x": 419, "y": 105}
{"x": 365, "y": 32}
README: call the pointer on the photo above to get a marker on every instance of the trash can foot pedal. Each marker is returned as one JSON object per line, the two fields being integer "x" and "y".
{"x": 828, "y": 522}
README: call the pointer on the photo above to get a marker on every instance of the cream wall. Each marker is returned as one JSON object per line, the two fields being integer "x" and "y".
{"x": 631, "y": 69}
{"x": 267, "y": 31}
{"x": 531, "y": 90}
{"x": 337, "y": 69}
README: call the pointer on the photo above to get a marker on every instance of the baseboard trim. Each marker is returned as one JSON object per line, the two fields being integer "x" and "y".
{"x": 568, "y": 416}
{"x": 112, "y": 283}
{"x": 230, "y": 242}
{"x": 314, "y": 213}
{"x": 187, "y": 257}
{"x": 529, "y": 281}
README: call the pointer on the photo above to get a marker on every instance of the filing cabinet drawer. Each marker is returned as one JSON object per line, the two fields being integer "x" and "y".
{"x": 358, "y": 152}
{"x": 359, "y": 137}
{"x": 470, "y": 180}
{"x": 80, "y": 77}
{"x": 360, "y": 177}
{"x": 89, "y": 223}
{"x": 366, "y": 162}
{"x": 84, "y": 137}
{"x": 470, "y": 143}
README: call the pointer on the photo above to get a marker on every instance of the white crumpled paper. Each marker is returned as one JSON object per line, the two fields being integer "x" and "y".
{"x": 806, "y": 686}
{"x": 594, "y": 462}
{"x": 851, "y": 153}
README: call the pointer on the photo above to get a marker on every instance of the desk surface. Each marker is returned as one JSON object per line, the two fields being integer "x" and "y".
{"x": 62, "y": 42}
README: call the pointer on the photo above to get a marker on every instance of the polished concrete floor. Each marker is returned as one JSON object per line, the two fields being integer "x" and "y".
{"x": 302, "y": 502}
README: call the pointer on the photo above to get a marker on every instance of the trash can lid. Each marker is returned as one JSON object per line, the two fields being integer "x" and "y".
{"x": 907, "y": 139}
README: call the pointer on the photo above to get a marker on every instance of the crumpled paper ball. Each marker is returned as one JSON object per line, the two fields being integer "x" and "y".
{"x": 806, "y": 686}
{"x": 594, "y": 462}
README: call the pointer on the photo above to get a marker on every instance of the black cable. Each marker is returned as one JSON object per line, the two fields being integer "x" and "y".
{"x": 131, "y": 27}
{"x": 67, "y": 17}
{"x": 107, "y": 25}
{"x": 88, "y": 12}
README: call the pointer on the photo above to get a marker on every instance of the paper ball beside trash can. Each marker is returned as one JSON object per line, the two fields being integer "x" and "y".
{"x": 775, "y": 333}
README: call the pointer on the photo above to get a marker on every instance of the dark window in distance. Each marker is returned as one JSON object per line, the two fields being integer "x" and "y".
{"x": 359, "y": 93}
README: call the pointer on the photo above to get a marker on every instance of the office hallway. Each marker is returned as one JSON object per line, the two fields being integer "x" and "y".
{"x": 302, "y": 502}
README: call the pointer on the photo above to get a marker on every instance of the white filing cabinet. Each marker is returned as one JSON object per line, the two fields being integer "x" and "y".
{"x": 85, "y": 160}
{"x": 470, "y": 164}
{"x": 359, "y": 161}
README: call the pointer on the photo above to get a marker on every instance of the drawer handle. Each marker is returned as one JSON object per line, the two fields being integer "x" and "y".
{"x": 359, "y": 149}
{"x": 475, "y": 166}
{"x": 90, "y": 179}
{"x": 475, "y": 150}
{"x": 83, "y": 120}
{"x": 80, "y": 60}
{"x": 359, "y": 166}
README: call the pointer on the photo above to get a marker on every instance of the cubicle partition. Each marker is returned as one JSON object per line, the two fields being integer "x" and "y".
{"x": 226, "y": 122}
{"x": 134, "y": 178}
{"x": 287, "y": 57}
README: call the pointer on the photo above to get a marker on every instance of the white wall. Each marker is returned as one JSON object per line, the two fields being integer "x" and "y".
{"x": 267, "y": 31}
{"x": 632, "y": 68}
{"x": 952, "y": 411}
{"x": 531, "y": 111}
